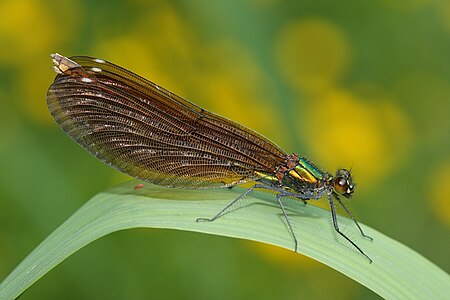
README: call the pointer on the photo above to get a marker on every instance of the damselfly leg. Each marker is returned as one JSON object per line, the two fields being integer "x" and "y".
{"x": 307, "y": 195}
{"x": 336, "y": 225}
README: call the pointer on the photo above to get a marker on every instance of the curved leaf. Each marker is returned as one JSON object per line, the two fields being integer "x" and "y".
{"x": 397, "y": 272}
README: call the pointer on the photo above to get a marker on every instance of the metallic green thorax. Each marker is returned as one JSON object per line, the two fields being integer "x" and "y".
{"x": 296, "y": 175}
{"x": 311, "y": 168}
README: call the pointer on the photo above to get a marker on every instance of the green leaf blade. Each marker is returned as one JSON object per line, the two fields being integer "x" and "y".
{"x": 397, "y": 272}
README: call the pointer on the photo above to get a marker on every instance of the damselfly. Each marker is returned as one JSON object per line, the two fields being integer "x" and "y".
{"x": 152, "y": 134}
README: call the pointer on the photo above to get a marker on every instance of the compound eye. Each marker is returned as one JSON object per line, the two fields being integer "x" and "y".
{"x": 341, "y": 185}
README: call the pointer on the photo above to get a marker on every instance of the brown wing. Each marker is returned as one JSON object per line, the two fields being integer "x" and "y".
{"x": 150, "y": 133}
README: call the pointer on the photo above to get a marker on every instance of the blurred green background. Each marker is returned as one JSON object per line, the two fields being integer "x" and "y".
{"x": 345, "y": 83}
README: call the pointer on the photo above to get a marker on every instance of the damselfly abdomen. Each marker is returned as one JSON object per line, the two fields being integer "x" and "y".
{"x": 152, "y": 134}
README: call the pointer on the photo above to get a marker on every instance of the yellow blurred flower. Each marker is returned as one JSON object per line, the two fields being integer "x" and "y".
{"x": 160, "y": 58}
{"x": 370, "y": 135}
{"x": 440, "y": 191}
{"x": 221, "y": 76}
{"x": 312, "y": 54}
{"x": 29, "y": 32}
{"x": 237, "y": 87}
{"x": 30, "y": 28}
{"x": 285, "y": 258}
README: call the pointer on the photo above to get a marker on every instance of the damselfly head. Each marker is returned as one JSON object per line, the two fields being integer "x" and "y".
{"x": 343, "y": 183}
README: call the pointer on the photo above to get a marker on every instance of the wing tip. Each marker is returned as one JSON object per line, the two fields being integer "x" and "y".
{"x": 62, "y": 63}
